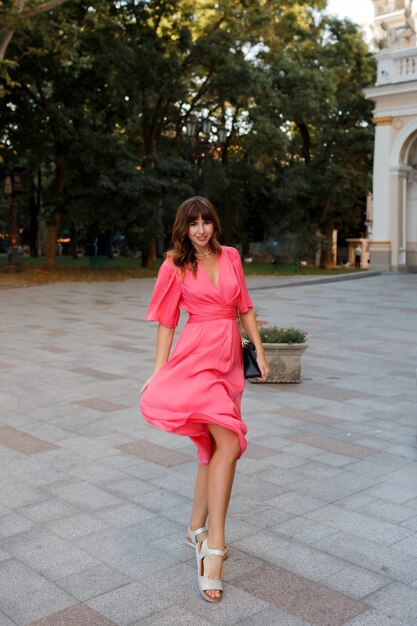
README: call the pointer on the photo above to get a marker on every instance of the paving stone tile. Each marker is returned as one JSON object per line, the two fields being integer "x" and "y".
{"x": 296, "y": 557}
{"x": 394, "y": 493}
{"x": 375, "y": 618}
{"x": 356, "y": 582}
{"x": 301, "y": 449}
{"x": 4, "y": 620}
{"x": 302, "y": 529}
{"x": 27, "y": 596}
{"x": 308, "y": 416}
{"x": 98, "y": 404}
{"x": 85, "y": 446}
{"x": 98, "y": 473}
{"x": 17, "y": 493}
{"x": 153, "y": 528}
{"x": 333, "y": 445}
{"x": 54, "y": 349}
{"x": 335, "y": 459}
{"x": 129, "y": 487}
{"x": 129, "y": 552}
{"x": 129, "y": 603}
{"x": 411, "y": 523}
{"x": 173, "y": 616}
{"x": 159, "y": 500}
{"x": 408, "y": 545}
{"x": 367, "y": 468}
{"x": 318, "y": 469}
{"x": 154, "y": 453}
{"x": 236, "y": 606}
{"x": 356, "y": 502}
{"x": 296, "y": 503}
{"x": 389, "y": 511}
{"x": 124, "y": 515}
{"x": 76, "y": 525}
{"x": 82, "y": 495}
{"x": 288, "y": 461}
{"x": 46, "y": 510}
{"x": 407, "y": 451}
{"x": 77, "y": 615}
{"x": 19, "y": 440}
{"x": 336, "y": 487}
{"x": 251, "y": 486}
{"x": 94, "y": 373}
{"x": 51, "y": 556}
{"x": 370, "y": 555}
{"x": 14, "y": 523}
{"x": 358, "y": 524}
{"x": 257, "y": 451}
{"x": 263, "y": 518}
{"x": 273, "y": 616}
{"x": 300, "y": 596}
{"x": 280, "y": 476}
{"x": 93, "y": 582}
{"x": 396, "y": 600}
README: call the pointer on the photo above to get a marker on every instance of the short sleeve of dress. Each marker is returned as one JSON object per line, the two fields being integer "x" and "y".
{"x": 164, "y": 304}
{"x": 244, "y": 302}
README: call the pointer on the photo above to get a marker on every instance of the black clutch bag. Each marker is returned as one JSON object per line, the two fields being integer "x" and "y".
{"x": 250, "y": 366}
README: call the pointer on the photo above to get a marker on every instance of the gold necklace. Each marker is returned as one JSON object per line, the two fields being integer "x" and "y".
{"x": 203, "y": 254}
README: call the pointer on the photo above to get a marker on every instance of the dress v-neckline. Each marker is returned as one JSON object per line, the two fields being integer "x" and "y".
{"x": 215, "y": 287}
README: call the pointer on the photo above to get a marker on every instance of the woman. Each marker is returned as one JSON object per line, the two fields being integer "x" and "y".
{"x": 197, "y": 391}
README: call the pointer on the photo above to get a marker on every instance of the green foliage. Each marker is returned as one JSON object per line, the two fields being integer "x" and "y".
{"x": 96, "y": 96}
{"x": 275, "y": 334}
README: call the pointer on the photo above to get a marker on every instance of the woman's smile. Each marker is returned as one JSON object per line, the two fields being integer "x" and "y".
{"x": 200, "y": 232}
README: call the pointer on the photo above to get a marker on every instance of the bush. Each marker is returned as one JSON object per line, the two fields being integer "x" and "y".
{"x": 275, "y": 334}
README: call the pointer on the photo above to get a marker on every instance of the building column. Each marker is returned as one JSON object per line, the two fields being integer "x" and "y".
{"x": 411, "y": 223}
{"x": 380, "y": 246}
{"x": 398, "y": 217}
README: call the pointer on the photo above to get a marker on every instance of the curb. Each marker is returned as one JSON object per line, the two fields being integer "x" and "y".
{"x": 321, "y": 280}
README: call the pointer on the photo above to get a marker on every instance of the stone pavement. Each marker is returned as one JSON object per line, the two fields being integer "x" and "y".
{"x": 94, "y": 502}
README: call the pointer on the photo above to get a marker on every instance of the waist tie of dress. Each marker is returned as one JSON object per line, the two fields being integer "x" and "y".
{"x": 230, "y": 315}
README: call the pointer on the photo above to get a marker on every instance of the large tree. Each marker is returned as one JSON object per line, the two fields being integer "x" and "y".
{"x": 100, "y": 95}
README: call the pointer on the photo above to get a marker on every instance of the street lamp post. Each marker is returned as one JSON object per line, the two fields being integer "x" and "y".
{"x": 204, "y": 145}
{"x": 14, "y": 186}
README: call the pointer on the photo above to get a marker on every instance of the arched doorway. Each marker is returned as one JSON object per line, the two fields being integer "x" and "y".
{"x": 410, "y": 225}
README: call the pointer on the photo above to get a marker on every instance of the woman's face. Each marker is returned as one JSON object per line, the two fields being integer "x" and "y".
{"x": 200, "y": 232}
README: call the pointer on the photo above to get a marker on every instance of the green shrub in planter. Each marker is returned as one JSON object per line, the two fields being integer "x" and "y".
{"x": 275, "y": 334}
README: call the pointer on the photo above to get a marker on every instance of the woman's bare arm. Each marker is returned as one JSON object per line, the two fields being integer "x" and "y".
{"x": 248, "y": 321}
{"x": 164, "y": 338}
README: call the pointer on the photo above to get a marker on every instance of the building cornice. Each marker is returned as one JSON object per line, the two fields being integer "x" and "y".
{"x": 392, "y": 89}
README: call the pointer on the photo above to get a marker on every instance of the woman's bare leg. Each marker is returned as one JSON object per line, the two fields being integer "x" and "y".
{"x": 200, "y": 503}
{"x": 221, "y": 471}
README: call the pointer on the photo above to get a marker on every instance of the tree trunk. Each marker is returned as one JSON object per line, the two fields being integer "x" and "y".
{"x": 33, "y": 224}
{"x": 227, "y": 210}
{"x": 50, "y": 259}
{"x": 73, "y": 241}
{"x": 327, "y": 259}
{"x": 149, "y": 258}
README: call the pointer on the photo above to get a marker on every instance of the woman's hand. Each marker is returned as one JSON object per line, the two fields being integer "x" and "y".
{"x": 263, "y": 366}
{"x": 145, "y": 384}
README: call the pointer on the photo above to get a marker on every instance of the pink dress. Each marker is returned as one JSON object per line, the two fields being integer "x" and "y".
{"x": 202, "y": 382}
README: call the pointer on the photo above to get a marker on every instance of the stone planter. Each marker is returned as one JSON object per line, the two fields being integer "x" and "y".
{"x": 284, "y": 360}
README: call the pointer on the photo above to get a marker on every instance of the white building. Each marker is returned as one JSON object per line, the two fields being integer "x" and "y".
{"x": 393, "y": 242}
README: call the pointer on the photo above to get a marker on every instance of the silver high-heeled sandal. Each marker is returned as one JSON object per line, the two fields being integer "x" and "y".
{"x": 204, "y": 582}
{"x": 191, "y": 539}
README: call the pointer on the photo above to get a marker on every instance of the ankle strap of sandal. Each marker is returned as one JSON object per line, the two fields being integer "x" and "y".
{"x": 194, "y": 533}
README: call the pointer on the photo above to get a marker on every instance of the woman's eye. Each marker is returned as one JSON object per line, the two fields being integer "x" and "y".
{"x": 207, "y": 222}
{"x": 193, "y": 224}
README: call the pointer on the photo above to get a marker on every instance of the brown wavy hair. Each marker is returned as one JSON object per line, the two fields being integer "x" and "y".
{"x": 183, "y": 253}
